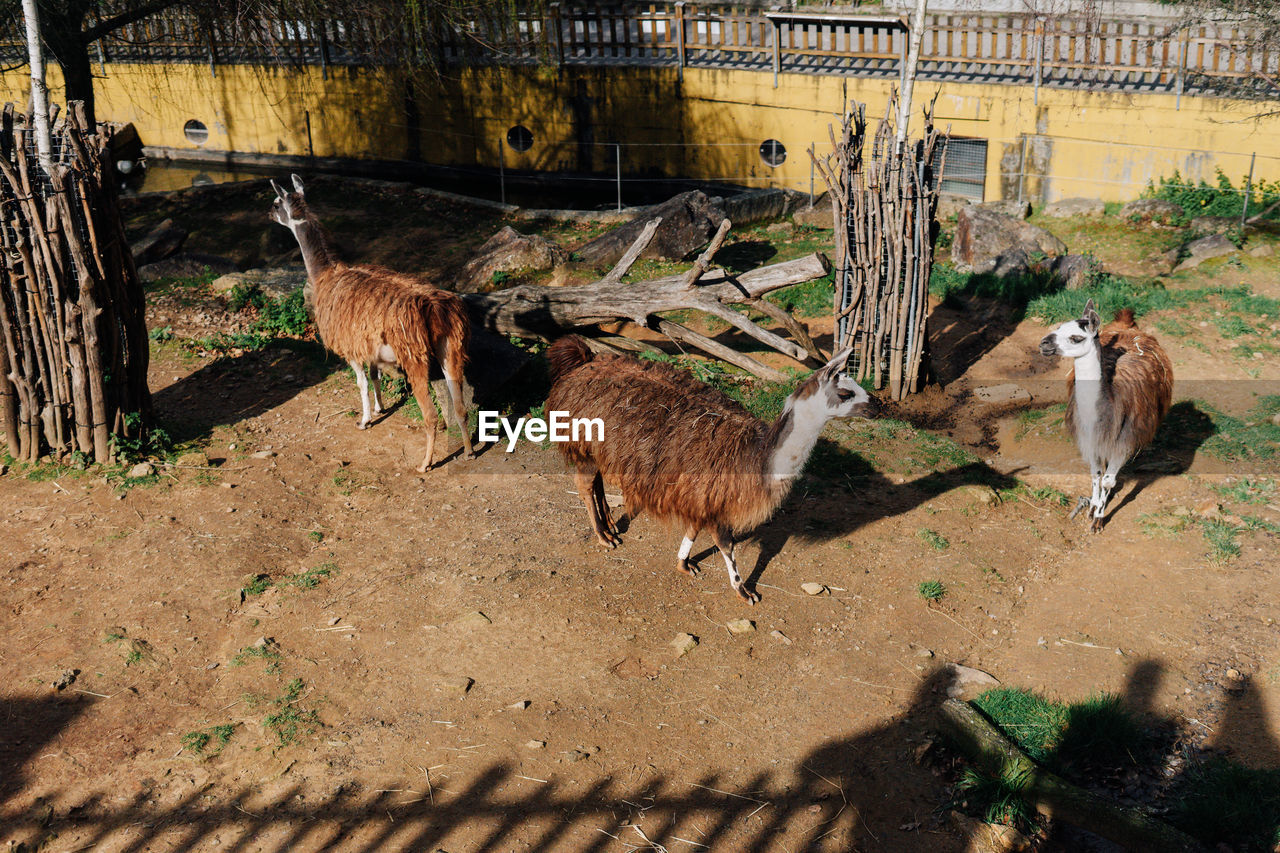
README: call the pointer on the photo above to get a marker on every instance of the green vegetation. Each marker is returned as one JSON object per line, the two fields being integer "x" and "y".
{"x": 290, "y": 722}
{"x": 811, "y": 299}
{"x": 932, "y": 590}
{"x": 312, "y": 577}
{"x": 996, "y": 798}
{"x": 933, "y": 539}
{"x": 1235, "y": 439}
{"x": 1221, "y": 801}
{"x": 257, "y": 585}
{"x": 267, "y": 651}
{"x": 1066, "y": 737}
{"x": 1247, "y": 490}
{"x": 1218, "y": 199}
{"x": 196, "y": 741}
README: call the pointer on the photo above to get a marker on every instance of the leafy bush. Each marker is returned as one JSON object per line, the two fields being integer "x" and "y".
{"x": 1218, "y": 199}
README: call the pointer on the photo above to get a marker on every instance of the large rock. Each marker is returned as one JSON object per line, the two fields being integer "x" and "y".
{"x": 688, "y": 222}
{"x": 276, "y": 282}
{"x": 1008, "y": 206}
{"x": 989, "y": 242}
{"x": 1072, "y": 271}
{"x": 1204, "y": 248}
{"x": 161, "y": 242}
{"x": 1152, "y": 210}
{"x": 508, "y": 251}
{"x": 818, "y": 216}
{"x": 1067, "y": 207}
{"x": 187, "y": 265}
{"x": 949, "y": 205}
{"x": 1214, "y": 224}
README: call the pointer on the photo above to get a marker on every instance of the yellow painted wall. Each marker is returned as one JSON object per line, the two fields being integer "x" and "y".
{"x": 708, "y": 126}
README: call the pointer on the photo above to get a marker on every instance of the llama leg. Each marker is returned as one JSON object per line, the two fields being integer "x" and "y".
{"x": 1107, "y": 485}
{"x": 602, "y": 506}
{"x": 375, "y": 378}
{"x": 585, "y": 478}
{"x": 362, "y": 382}
{"x": 419, "y": 377}
{"x": 459, "y": 411}
{"x": 682, "y": 558}
{"x": 724, "y": 541}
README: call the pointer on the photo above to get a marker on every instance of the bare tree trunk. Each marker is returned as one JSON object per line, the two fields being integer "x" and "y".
{"x": 909, "y": 73}
{"x": 39, "y": 91}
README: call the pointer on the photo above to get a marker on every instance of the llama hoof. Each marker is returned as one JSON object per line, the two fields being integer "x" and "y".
{"x": 362, "y": 425}
{"x": 607, "y": 539}
{"x": 687, "y": 568}
{"x": 1095, "y": 526}
{"x": 747, "y": 595}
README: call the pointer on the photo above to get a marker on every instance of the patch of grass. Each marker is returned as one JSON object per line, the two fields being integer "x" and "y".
{"x": 290, "y": 722}
{"x": 1029, "y": 419}
{"x": 996, "y": 798}
{"x": 145, "y": 440}
{"x": 196, "y": 741}
{"x": 1223, "y": 802}
{"x": 258, "y": 585}
{"x": 1066, "y": 737}
{"x": 311, "y": 578}
{"x": 161, "y": 335}
{"x": 1233, "y": 326}
{"x": 933, "y": 539}
{"x": 1237, "y": 440}
{"x": 811, "y": 299}
{"x": 1221, "y": 537}
{"x": 1173, "y": 328}
{"x": 265, "y": 652}
{"x": 1247, "y": 490}
{"x": 932, "y": 590}
{"x": 316, "y": 536}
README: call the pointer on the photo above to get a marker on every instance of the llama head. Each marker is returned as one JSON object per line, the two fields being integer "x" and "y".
{"x": 290, "y": 208}
{"x": 1074, "y": 338}
{"x": 830, "y": 393}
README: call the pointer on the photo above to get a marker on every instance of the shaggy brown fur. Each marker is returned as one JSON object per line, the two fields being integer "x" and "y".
{"x": 1138, "y": 389}
{"x": 360, "y": 311}
{"x": 673, "y": 445}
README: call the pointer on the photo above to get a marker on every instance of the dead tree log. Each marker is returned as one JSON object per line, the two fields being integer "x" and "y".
{"x": 534, "y": 311}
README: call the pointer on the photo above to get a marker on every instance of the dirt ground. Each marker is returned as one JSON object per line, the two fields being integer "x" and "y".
{"x": 450, "y": 661}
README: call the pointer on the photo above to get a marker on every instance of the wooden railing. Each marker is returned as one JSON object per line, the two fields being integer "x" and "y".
{"x": 1052, "y": 51}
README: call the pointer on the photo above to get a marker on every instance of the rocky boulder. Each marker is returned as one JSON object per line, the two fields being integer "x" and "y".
{"x": 1008, "y": 207}
{"x": 949, "y": 205}
{"x": 1072, "y": 271}
{"x": 1152, "y": 210}
{"x": 186, "y": 265}
{"x": 818, "y": 216}
{"x": 989, "y": 242}
{"x": 160, "y": 242}
{"x": 688, "y": 222}
{"x": 1067, "y": 207}
{"x": 508, "y": 251}
{"x": 1214, "y": 224}
{"x": 1204, "y": 248}
{"x": 276, "y": 282}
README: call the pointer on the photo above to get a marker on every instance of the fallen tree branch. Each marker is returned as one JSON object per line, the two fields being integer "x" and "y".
{"x": 703, "y": 263}
{"x": 642, "y": 242}
{"x": 1132, "y": 828}
{"x": 680, "y": 333}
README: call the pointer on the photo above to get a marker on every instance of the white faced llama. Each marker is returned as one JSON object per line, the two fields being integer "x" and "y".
{"x": 1120, "y": 390}
{"x": 373, "y": 316}
{"x": 683, "y": 450}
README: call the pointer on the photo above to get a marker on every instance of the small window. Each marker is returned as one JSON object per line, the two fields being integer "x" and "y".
{"x": 196, "y": 132}
{"x": 965, "y": 169}
{"x": 520, "y": 138}
{"x": 773, "y": 152}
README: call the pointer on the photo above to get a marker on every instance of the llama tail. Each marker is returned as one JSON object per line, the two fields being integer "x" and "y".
{"x": 1124, "y": 319}
{"x": 566, "y": 355}
{"x": 445, "y": 311}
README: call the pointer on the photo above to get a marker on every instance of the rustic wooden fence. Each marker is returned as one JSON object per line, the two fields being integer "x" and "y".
{"x": 884, "y": 203}
{"x": 73, "y": 359}
{"x": 1047, "y": 50}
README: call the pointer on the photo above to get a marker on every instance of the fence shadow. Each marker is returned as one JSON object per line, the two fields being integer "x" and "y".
{"x": 865, "y": 791}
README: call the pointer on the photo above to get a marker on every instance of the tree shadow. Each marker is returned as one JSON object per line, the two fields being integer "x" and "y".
{"x": 866, "y": 790}
{"x": 29, "y": 726}
{"x": 744, "y": 255}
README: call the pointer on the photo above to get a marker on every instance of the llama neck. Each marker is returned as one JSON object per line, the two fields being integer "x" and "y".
{"x": 316, "y": 251}
{"x": 1090, "y": 384}
{"x": 791, "y": 439}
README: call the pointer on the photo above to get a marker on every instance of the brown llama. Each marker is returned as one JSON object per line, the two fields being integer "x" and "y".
{"x": 1120, "y": 389}
{"x": 373, "y": 316}
{"x": 683, "y": 450}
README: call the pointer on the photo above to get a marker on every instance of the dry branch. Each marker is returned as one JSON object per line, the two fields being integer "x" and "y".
{"x": 1131, "y": 828}
{"x": 534, "y": 311}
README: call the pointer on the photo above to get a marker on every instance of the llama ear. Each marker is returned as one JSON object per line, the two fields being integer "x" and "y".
{"x": 297, "y": 184}
{"x": 837, "y": 363}
{"x": 1089, "y": 320}
{"x": 280, "y": 192}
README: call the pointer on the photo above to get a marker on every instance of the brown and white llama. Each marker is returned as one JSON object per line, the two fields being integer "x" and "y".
{"x": 683, "y": 450}
{"x": 1120, "y": 390}
{"x": 373, "y": 316}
